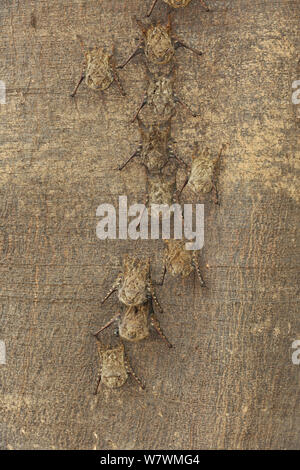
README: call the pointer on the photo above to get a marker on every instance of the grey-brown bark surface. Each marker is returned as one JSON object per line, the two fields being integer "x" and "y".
{"x": 230, "y": 381}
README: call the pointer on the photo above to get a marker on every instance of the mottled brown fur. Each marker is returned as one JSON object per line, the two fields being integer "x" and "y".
{"x": 113, "y": 371}
{"x": 99, "y": 71}
{"x": 158, "y": 45}
{"x": 180, "y": 262}
{"x": 134, "y": 283}
{"x": 155, "y": 140}
{"x": 162, "y": 189}
{"x": 114, "y": 367}
{"x": 203, "y": 174}
{"x": 161, "y": 99}
{"x": 155, "y": 148}
{"x": 134, "y": 287}
{"x": 158, "y": 48}
{"x": 134, "y": 323}
{"x": 176, "y": 4}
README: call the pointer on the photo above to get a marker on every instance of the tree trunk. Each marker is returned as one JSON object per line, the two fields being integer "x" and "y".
{"x": 229, "y": 382}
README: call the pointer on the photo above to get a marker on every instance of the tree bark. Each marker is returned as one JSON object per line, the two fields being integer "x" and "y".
{"x": 230, "y": 382}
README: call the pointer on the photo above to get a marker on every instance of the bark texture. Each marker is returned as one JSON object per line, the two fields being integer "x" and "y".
{"x": 230, "y": 381}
